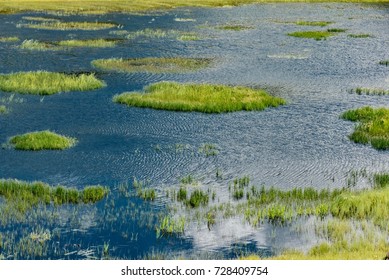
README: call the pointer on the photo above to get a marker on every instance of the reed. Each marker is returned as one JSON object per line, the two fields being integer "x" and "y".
{"x": 47, "y": 83}
{"x": 203, "y": 98}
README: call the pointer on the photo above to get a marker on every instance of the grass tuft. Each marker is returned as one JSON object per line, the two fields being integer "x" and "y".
{"x": 47, "y": 83}
{"x": 8, "y": 39}
{"x": 3, "y": 109}
{"x": 314, "y": 23}
{"x": 317, "y": 35}
{"x": 41, "y": 140}
{"x": 359, "y": 35}
{"x": 373, "y": 126}
{"x": 201, "y": 98}
{"x": 371, "y": 91}
{"x": 64, "y": 26}
{"x": 152, "y": 64}
{"x": 234, "y": 27}
{"x": 384, "y": 62}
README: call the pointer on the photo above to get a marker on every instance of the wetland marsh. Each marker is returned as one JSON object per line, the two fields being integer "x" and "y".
{"x": 291, "y": 181}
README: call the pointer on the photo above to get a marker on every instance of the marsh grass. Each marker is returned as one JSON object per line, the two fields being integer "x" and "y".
{"x": 317, "y": 35}
{"x": 8, "y": 39}
{"x": 3, "y": 109}
{"x": 188, "y": 180}
{"x": 190, "y": 36}
{"x": 62, "y": 45}
{"x": 64, "y": 26}
{"x": 384, "y": 62}
{"x": 234, "y": 27}
{"x": 373, "y": 127}
{"x": 41, "y": 140}
{"x": 47, "y": 83}
{"x": 381, "y": 180}
{"x": 209, "y": 149}
{"x": 153, "y": 64}
{"x": 371, "y": 91}
{"x": 313, "y": 23}
{"x": 150, "y": 33}
{"x": 36, "y": 45}
{"x": 44, "y": 19}
{"x": 203, "y": 98}
{"x": 25, "y": 195}
{"x": 197, "y": 198}
{"x": 359, "y": 36}
{"x": 168, "y": 226}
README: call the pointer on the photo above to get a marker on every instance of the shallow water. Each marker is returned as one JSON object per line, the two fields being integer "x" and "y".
{"x": 301, "y": 144}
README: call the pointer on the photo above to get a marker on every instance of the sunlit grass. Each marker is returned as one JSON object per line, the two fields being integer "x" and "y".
{"x": 36, "y": 45}
{"x": 204, "y": 98}
{"x": 31, "y": 18}
{"x": 8, "y": 39}
{"x": 150, "y": 33}
{"x": 47, "y": 83}
{"x": 41, "y": 140}
{"x": 313, "y": 23}
{"x": 317, "y": 34}
{"x": 61, "y": 45}
{"x": 59, "y": 25}
{"x": 152, "y": 64}
{"x": 384, "y": 62}
{"x": 373, "y": 127}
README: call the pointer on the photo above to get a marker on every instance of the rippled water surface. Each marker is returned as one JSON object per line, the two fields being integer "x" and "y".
{"x": 303, "y": 143}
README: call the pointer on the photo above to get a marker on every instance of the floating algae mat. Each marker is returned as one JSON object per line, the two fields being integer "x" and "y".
{"x": 201, "y": 98}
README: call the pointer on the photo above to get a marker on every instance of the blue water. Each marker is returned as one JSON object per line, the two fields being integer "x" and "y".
{"x": 303, "y": 143}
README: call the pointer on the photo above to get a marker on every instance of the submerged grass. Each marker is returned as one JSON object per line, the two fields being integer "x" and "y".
{"x": 201, "y": 98}
{"x": 153, "y": 64}
{"x": 47, "y": 83}
{"x": 373, "y": 127}
{"x": 72, "y": 25}
{"x": 41, "y": 140}
{"x": 317, "y": 35}
{"x": 25, "y": 195}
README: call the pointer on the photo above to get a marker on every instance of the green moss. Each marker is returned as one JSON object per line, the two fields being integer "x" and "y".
{"x": 41, "y": 140}
{"x": 314, "y": 23}
{"x": 24, "y": 195}
{"x": 150, "y": 33}
{"x": 202, "y": 98}
{"x": 46, "y": 83}
{"x": 373, "y": 126}
{"x": 63, "y": 26}
{"x": 152, "y": 64}
{"x": 317, "y": 35}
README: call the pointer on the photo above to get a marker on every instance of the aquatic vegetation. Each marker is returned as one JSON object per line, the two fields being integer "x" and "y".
{"x": 234, "y": 27}
{"x": 203, "y": 98}
{"x": 38, "y": 45}
{"x": 39, "y": 18}
{"x": 8, "y": 39}
{"x": 188, "y": 37}
{"x": 153, "y": 64}
{"x": 92, "y": 43}
{"x": 3, "y": 109}
{"x": 47, "y": 83}
{"x": 384, "y": 62}
{"x": 168, "y": 225}
{"x": 185, "y": 19}
{"x": 370, "y": 91}
{"x": 150, "y": 33}
{"x": 63, "y": 26}
{"x": 25, "y": 195}
{"x": 381, "y": 180}
{"x": 317, "y": 35}
{"x": 313, "y": 23}
{"x": 197, "y": 198}
{"x": 359, "y": 35}
{"x": 41, "y": 140}
{"x": 373, "y": 127}
{"x": 209, "y": 149}
{"x": 118, "y": 32}
{"x": 188, "y": 180}
{"x": 182, "y": 194}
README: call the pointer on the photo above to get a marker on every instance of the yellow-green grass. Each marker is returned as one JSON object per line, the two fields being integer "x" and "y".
{"x": 3, "y": 109}
{"x": 39, "y": 18}
{"x": 71, "y": 25}
{"x": 152, "y": 64}
{"x": 102, "y": 6}
{"x": 25, "y": 195}
{"x": 36, "y": 45}
{"x": 41, "y": 140}
{"x": 47, "y": 83}
{"x": 313, "y": 23}
{"x": 150, "y": 33}
{"x": 373, "y": 127}
{"x": 234, "y": 27}
{"x": 188, "y": 37}
{"x": 205, "y": 98}
{"x": 8, "y": 39}
{"x": 316, "y": 34}
{"x": 60, "y": 45}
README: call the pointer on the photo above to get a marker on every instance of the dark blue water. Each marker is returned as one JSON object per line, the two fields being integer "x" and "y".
{"x": 301, "y": 144}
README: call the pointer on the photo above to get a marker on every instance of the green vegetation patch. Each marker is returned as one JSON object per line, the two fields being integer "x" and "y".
{"x": 150, "y": 33}
{"x": 190, "y": 36}
{"x": 26, "y": 195}
{"x": 72, "y": 25}
{"x": 42, "y": 140}
{"x": 384, "y": 62}
{"x": 152, "y": 64}
{"x": 317, "y": 35}
{"x": 201, "y": 98}
{"x": 373, "y": 127}
{"x": 47, "y": 83}
{"x": 370, "y": 91}
{"x": 54, "y": 46}
{"x": 8, "y": 39}
{"x": 234, "y": 27}
{"x": 3, "y": 109}
{"x": 359, "y": 36}
{"x": 313, "y": 23}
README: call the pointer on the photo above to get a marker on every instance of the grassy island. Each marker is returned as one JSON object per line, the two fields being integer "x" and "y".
{"x": 203, "y": 98}
{"x": 152, "y": 64}
{"x": 317, "y": 35}
{"x": 63, "y": 26}
{"x": 47, "y": 83}
{"x": 42, "y": 140}
{"x": 373, "y": 127}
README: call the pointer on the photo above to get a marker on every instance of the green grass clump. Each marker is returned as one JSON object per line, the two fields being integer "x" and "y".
{"x": 373, "y": 127}
{"x": 3, "y": 109}
{"x": 152, "y": 64}
{"x": 25, "y": 195}
{"x": 317, "y": 35}
{"x": 188, "y": 37}
{"x": 313, "y": 23}
{"x": 188, "y": 180}
{"x": 197, "y": 198}
{"x": 169, "y": 225}
{"x": 47, "y": 83}
{"x": 201, "y": 98}
{"x": 182, "y": 194}
{"x": 63, "y": 26}
{"x": 384, "y": 62}
{"x": 371, "y": 91}
{"x": 36, "y": 45}
{"x": 149, "y": 33}
{"x": 380, "y": 180}
{"x": 8, "y": 39}
{"x": 41, "y": 140}
{"x": 234, "y": 27}
{"x": 209, "y": 149}
{"x": 359, "y": 35}
{"x": 92, "y": 43}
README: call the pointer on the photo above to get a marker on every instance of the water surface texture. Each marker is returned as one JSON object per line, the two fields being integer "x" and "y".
{"x": 301, "y": 144}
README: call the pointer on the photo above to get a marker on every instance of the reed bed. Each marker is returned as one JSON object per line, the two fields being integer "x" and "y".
{"x": 203, "y": 98}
